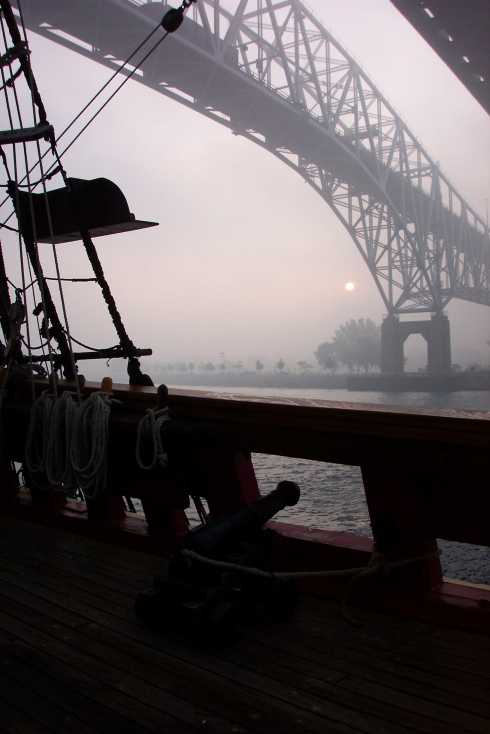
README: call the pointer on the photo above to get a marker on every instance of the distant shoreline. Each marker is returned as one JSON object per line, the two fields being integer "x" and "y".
{"x": 410, "y": 382}
{"x": 453, "y": 382}
{"x": 251, "y": 379}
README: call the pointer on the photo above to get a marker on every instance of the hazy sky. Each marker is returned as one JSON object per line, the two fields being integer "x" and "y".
{"x": 248, "y": 260}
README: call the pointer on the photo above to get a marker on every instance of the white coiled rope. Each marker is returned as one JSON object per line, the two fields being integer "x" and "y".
{"x": 59, "y": 470}
{"x": 38, "y": 434}
{"x": 150, "y": 429}
{"x": 48, "y": 444}
{"x": 89, "y": 444}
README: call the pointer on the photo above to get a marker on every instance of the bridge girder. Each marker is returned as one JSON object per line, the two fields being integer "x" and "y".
{"x": 268, "y": 70}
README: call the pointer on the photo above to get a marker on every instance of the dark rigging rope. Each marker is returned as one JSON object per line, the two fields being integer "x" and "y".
{"x": 38, "y": 111}
{"x": 111, "y": 97}
{"x": 106, "y": 84}
{"x": 170, "y": 22}
{"x": 15, "y": 35}
{"x": 120, "y": 68}
{"x": 49, "y": 308}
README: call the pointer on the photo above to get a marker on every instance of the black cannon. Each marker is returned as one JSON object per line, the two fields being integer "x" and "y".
{"x": 220, "y": 578}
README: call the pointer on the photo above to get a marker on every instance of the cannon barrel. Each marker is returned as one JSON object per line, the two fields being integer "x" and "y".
{"x": 211, "y": 538}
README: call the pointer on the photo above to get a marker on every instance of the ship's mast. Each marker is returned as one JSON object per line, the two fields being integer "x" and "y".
{"x": 78, "y": 210}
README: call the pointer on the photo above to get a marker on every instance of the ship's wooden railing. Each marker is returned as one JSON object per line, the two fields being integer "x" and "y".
{"x": 425, "y": 472}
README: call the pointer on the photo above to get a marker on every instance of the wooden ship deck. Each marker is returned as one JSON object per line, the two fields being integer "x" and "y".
{"x": 75, "y": 658}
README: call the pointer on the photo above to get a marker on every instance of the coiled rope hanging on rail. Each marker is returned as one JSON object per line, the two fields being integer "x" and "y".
{"x": 149, "y": 442}
{"x": 67, "y": 444}
{"x": 150, "y": 430}
{"x": 89, "y": 445}
{"x": 49, "y": 441}
{"x": 59, "y": 470}
{"x": 37, "y": 441}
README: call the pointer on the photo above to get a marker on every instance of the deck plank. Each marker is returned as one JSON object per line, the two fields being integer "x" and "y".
{"x": 69, "y": 636}
{"x": 52, "y": 715}
{"x": 40, "y": 673}
{"x": 105, "y": 599}
{"x": 14, "y": 721}
{"x": 412, "y": 702}
{"x": 160, "y": 680}
{"x": 97, "y": 678}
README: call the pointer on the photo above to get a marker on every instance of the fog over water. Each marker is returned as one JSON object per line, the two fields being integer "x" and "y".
{"x": 248, "y": 262}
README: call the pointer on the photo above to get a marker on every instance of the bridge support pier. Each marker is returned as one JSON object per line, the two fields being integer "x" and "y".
{"x": 439, "y": 344}
{"x": 391, "y": 346}
{"x": 436, "y": 333}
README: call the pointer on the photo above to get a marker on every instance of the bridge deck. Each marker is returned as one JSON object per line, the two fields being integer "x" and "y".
{"x": 75, "y": 659}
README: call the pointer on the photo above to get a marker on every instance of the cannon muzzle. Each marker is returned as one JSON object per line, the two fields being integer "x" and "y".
{"x": 212, "y": 538}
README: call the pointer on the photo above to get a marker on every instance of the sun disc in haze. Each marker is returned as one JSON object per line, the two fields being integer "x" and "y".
{"x": 350, "y": 286}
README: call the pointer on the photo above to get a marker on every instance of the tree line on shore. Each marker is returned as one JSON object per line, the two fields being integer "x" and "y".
{"x": 355, "y": 346}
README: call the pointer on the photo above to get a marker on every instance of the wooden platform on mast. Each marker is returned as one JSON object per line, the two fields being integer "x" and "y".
{"x": 74, "y": 658}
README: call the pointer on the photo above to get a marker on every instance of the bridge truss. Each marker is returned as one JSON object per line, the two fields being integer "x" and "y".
{"x": 269, "y": 70}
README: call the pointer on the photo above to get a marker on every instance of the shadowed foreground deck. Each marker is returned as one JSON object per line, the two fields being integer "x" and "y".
{"x": 74, "y": 658}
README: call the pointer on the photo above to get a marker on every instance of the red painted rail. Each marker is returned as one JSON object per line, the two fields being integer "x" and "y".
{"x": 425, "y": 474}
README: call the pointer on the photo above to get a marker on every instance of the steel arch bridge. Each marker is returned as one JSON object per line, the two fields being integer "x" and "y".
{"x": 268, "y": 70}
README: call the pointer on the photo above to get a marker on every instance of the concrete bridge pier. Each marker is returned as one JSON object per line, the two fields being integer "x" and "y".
{"x": 391, "y": 346}
{"x": 436, "y": 333}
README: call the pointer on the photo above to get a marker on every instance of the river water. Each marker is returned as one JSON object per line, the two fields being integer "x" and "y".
{"x": 332, "y": 495}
